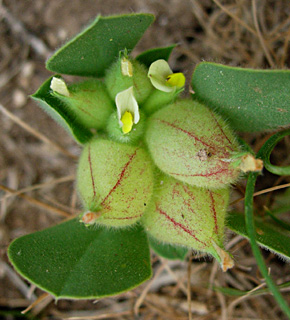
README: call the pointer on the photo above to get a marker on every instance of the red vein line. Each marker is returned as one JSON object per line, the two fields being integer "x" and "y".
{"x": 177, "y": 224}
{"x": 214, "y": 212}
{"x": 91, "y": 171}
{"x": 190, "y": 134}
{"x": 87, "y": 112}
{"x": 188, "y": 192}
{"x": 120, "y": 177}
{"x": 221, "y": 129}
{"x": 198, "y": 175}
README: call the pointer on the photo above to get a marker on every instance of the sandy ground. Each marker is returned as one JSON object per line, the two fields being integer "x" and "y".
{"x": 233, "y": 33}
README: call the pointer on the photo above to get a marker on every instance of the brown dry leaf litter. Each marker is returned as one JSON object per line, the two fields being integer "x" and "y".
{"x": 37, "y": 162}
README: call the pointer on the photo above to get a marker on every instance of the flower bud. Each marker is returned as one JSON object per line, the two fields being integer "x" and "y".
{"x": 194, "y": 217}
{"x": 115, "y": 182}
{"x": 125, "y": 73}
{"x": 89, "y": 101}
{"x": 192, "y": 144}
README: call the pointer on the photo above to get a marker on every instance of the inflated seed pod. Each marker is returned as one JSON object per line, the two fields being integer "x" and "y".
{"x": 115, "y": 182}
{"x": 126, "y": 73}
{"x": 89, "y": 100}
{"x": 192, "y": 144}
{"x": 184, "y": 215}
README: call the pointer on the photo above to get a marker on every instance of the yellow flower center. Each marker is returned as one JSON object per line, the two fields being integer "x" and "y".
{"x": 176, "y": 80}
{"x": 127, "y": 120}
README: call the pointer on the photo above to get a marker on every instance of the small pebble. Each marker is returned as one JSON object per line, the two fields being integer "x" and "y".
{"x": 19, "y": 98}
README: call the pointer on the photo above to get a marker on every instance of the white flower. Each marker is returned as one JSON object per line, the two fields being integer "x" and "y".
{"x": 58, "y": 85}
{"x": 163, "y": 78}
{"x": 127, "y": 109}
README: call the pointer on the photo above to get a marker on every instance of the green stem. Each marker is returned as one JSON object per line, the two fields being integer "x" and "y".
{"x": 250, "y": 226}
{"x": 265, "y": 153}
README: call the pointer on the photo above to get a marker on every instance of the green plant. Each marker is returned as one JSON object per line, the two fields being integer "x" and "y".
{"x": 155, "y": 169}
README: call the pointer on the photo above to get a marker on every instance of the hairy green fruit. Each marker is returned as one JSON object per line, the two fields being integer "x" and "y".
{"x": 90, "y": 102}
{"x": 115, "y": 182}
{"x": 192, "y": 144}
{"x": 194, "y": 217}
{"x": 125, "y": 73}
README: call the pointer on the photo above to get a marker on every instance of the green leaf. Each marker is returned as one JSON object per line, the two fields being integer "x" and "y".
{"x": 245, "y": 147}
{"x": 240, "y": 293}
{"x": 168, "y": 251}
{"x": 278, "y": 210}
{"x": 281, "y": 203}
{"x": 93, "y": 50}
{"x": 151, "y": 55}
{"x": 72, "y": 261}
{"x": 61, "y": 113}
{"x": 259, "y": 231}
{"x": 252, "y": 100}
{"x": 251, "y": 231}
{"x": 283, "y": 224}
{"x": 265, "y": 153}
{"x": 269, "y": 235}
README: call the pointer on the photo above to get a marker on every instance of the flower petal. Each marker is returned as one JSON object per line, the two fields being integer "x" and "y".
{"x": 126, "y": 67}
{"x": 125, "y": 101}
{"x": 158, "y": 73}
{"x": 58, "y": 85}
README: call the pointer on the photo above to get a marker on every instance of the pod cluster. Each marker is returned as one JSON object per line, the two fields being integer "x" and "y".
{"x": 156, "y": 159}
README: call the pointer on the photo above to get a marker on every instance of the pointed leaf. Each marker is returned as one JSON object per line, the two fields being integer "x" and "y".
{"x": 168, "y": 251}
{"x": 282, "y": 223}
{"x": 92, "y": 51}
{"x": 61, "y": 113}
{"x": 269, "y": 235}
{"x": 151, "y": 55}
{"x": 240, "y": 293}
{"x": 252, "y": 100}
{"x": 281, "y": 203}
{"x": 72, "y": 261}
{"x": 252, "y": 231}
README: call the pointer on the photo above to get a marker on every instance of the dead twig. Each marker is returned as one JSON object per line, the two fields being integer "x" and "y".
{"x": 260, "y": 36}
{"x": 234, "y": 303}
{"x": 258, "y": 193}
{"x": 17, "y": 281}
{"x": 222, "y": 300}
{"x": 36, "y": 302}
{"x": 37, "y": 202}
{"x": 39, "y": 186}
{"x": 103, "y": 316}
{"x": 189, "y": 286}
{"x": 147, "y": 288}
{"x": 35, "y": 133}
{"x": 233, "y": 16}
